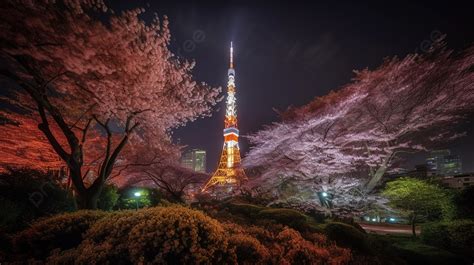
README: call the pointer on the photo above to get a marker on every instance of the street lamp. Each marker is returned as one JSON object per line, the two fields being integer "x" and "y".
{"x": 324, "y": 194}
{"x": 137, "y": 196}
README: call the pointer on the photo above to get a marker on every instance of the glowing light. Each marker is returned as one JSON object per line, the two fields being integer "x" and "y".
{"x": 324, "y": 194}
{"x": 137, "y": 194}
{"x": 229, "y": 170}
{"x": 392, "y": 219}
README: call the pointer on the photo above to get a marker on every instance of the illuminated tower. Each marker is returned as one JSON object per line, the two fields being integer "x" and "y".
{"x": 229, "y": 173}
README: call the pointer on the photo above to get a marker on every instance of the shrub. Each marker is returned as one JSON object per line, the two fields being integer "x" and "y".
{"x": 294, "y": 249}
{"x": 436, "y": 234}
{"x": 287, "y": 217}
{"x": 148, "y": 198}
{"x": 350, "y": 221}
{"x": 248, "y": 250}
{"x": 457, "y": 235}
{"x": 347, "y": 236}
{"x": 171, "y": 235}
{"x": 11, "y": 213}
{"x": 463, "y": 201}
{"x": 62, "y": 231}
{"x": 108, "y": 198}
{"x": 28, "y": 194}
{"x": 248, "y": 210}
{"x": 285, "y": 246}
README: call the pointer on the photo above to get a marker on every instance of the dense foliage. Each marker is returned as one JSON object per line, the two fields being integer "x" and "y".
{"x": 419, "y": 199}
{"x": 169, "y": 235}
{"x": 80, "y": 69}
{"x": 148, "y": 198}
{"x": 108, "y": 197}
{"x": 344, "y": 142}
{"x": 62, "y": 232}
{"x": 464, "y": 203}
{"x": 27, "y": 194}
{"x": 347, "y": 236}
{"x": 456, "y": 235}
{"x": 285, "y": 246}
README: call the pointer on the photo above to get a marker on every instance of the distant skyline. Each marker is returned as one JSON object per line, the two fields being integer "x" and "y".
{"x": 288, "y": 54}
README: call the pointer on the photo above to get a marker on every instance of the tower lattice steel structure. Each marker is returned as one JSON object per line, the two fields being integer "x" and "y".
{"x": 229, "y": 173}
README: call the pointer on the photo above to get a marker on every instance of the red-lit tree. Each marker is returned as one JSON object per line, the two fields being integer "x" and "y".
{"x": 114, "y": 75}
{"x": 405, "y": 105}
{"x": 23, "y": 145}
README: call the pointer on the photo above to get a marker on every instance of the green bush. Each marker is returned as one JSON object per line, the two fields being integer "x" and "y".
{"x": 62, "y": 231}
{"x": 436, "y": 234}
{"x": 457, "y": 235}
{"x": 28, "y": 194}
{"x": 463, "y": 201}
{"x": 163, "y": 235}
{"x": 248, "y": 210}
{"x": 291, "y": 218}
{"x": 148, "y": 198}
{"x": 108, "y": 198}
{"x": 259, "y": 215}
{"x": 347, "y": 236}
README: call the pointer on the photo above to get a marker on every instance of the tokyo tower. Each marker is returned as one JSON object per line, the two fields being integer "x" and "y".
{"x": 229, "y": 173}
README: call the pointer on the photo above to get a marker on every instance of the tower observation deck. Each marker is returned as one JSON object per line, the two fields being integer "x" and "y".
{"x": 229, "y": 173}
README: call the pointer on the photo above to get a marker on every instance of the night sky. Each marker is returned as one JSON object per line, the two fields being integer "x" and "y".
{"x": 286, "y": 54}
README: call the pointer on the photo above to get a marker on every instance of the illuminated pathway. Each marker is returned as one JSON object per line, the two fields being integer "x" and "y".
{"x": 388, "y": 228}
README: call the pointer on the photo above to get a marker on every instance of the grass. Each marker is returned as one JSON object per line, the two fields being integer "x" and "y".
{"x": 412, "y": 250}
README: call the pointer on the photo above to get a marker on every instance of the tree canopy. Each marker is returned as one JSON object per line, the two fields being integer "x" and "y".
{"x": 358, "y": 132}
{"x": 419, "y": 199}
{"x": 84, "y": 69}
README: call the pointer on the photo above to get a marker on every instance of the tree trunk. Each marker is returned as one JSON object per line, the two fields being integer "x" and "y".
{"x": 377, "y": 176}
{"x": 413, "y": 222}
{"x": 88, "y": 200}
{"x": 178, "y": 197}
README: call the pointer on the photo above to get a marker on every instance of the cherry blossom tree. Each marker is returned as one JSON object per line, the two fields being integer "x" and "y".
{"x": 114, "y": 75}
{"x": 172, "y": 179}
{"x": 405, "y": 105}
{"x": 146, "y": 166}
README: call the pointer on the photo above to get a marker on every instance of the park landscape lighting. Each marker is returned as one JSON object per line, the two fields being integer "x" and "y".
{"x": 137, "y": 195}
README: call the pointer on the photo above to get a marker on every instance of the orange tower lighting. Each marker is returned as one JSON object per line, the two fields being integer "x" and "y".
{"x": 229, "y": 171}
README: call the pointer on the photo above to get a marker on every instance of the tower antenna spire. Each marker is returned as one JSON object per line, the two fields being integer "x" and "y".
{"x": 229, "y": 173}
{"x": 231, "y": 55}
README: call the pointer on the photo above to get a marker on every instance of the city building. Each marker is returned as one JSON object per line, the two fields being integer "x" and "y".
{"x": 452, "y": 165}
{"x": 443, "y": 163}
{"x": 194, "y": 159}
{"x": 229, "y": 173}
{"x": 459, "y": 181}
{"x": 421, "y": 172}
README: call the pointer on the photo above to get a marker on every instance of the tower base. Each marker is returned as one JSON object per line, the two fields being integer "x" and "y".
{"x": 227, "y": 178}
